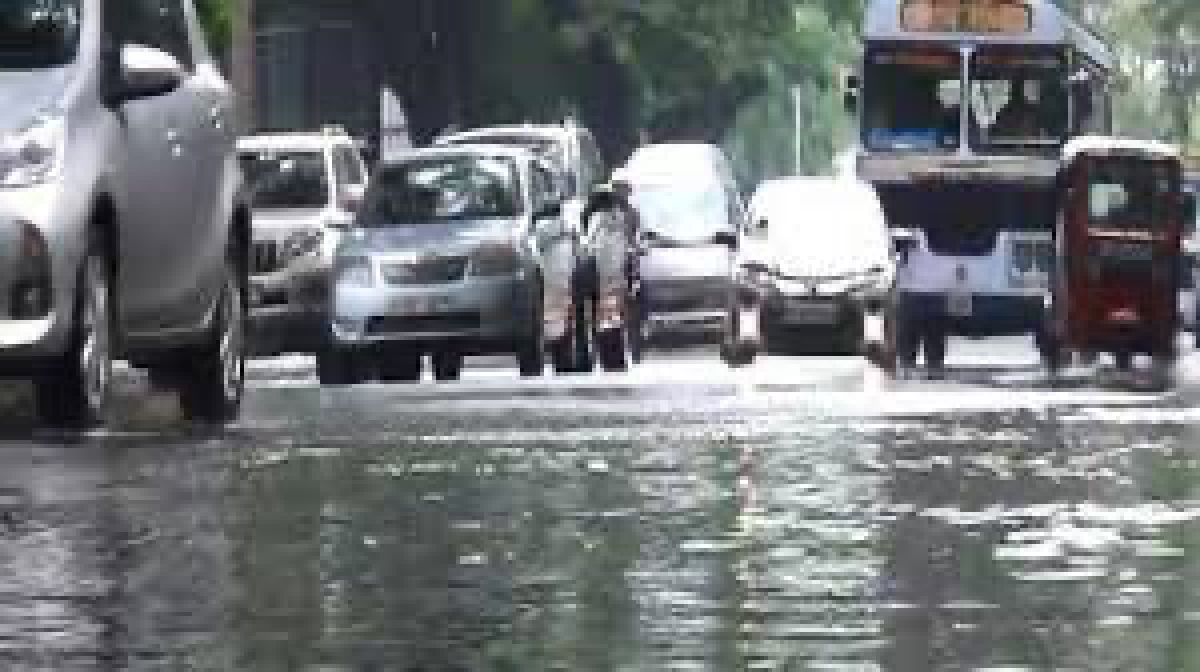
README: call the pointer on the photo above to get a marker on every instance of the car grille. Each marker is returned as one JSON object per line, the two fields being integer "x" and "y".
{"x": 675, "y": 296}
{"x": 423, "y": 324}
{"x": 266, "y": 257}
{"x": 426, "y": 271}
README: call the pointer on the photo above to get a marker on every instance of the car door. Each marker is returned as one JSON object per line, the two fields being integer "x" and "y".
{"x": 162, "y": 272}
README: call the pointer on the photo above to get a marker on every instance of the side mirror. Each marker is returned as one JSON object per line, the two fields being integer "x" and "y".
{"x": 351, "y": 196}
{"x": 726, "y": 239}
{"x": 146, "y": 72}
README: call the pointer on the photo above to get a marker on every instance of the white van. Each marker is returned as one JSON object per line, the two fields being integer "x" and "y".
{"x": 690, "y": 216}
{"x": 817, "y": 267}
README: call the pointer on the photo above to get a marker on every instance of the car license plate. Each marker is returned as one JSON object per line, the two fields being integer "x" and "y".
{"x": 420, "y": 305}
{"x": 805, "y": 311}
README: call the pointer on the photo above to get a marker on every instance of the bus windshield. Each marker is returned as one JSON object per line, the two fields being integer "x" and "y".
{"x": 1018, "y": 101}
{"x": 911, "y": 101}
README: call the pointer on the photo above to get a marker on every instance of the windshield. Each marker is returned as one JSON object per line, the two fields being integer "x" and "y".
{"x": 912, "y": 101}
{"x": 1017, "y": 101}
{"x": 1130, "y": 195}
{"x": 286, "y": 179}
{"x": 685, "y": 212}
{"x": 443, "y": 189}
{"x": 38, "y": 33}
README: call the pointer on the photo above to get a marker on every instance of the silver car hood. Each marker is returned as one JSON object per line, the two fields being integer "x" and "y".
{"x": 28, "y": 93}
{"x": 432, "y": 237}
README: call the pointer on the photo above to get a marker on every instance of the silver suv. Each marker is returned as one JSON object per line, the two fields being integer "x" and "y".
{"x": 446, "y": 258}
{"x": 304, "y": 188}
{"x": 122, "y": 234}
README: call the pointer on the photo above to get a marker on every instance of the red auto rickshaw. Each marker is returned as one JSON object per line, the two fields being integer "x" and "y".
{"x": 1122, "y": 215}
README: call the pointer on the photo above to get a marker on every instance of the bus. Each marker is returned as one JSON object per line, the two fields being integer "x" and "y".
{"x": 963, "y": 109}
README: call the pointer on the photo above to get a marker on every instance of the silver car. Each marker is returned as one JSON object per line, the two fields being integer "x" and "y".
{"x": 122, "y": 232}
{"x": 304, "y": 188}
{"x": 691, "y": 216}
{"x": 447, "y": 258}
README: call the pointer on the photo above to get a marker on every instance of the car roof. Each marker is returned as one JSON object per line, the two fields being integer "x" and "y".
{"x": 299, "y": 142}
{"x": 1107, "y": 146}
{"x": 673, "y": 161}
{"x": 538, "y": 131}
{"x": 514, "y": 153}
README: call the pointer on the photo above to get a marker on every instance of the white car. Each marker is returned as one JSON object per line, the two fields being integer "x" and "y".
{"x": 817, "y": 268}
{"x": 304, "y": 189}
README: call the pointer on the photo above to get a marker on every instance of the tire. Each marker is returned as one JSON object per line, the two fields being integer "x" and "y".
{"x": 337, "y": 367}
{"x": 738, "y": 355}
{"x": 404, "y": 366}
{"x": 76, "y": 392}
{"x": 212, "y": 392}
{"x": 1050, "y": 350}
{"x": 447, "y": 366}
{"x": 611, "y": 350}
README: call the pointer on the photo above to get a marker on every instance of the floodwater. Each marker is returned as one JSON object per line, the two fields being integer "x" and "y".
{"x": 799, "y": 515}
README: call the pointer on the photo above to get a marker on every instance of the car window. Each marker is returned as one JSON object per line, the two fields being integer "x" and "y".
{"x": 347, "y": 168}
{"x": 683, "y": 211}
{"x": 161, "y": 24}
{"x": 432, "y": 190}
{"x": 286, "y": 179}
{"x": 38, "y": 33}
{"x": 545, "y": 187}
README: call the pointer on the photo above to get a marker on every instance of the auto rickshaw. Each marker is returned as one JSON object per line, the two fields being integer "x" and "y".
{"x": 1122, "y": 216}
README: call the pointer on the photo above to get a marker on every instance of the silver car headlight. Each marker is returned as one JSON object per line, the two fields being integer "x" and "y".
{"x": 33, "y": 155}
{"x": 355, "y": 271}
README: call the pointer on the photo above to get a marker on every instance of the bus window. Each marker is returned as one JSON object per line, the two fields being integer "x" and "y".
{"x": 912, "y": 101}
{"x": 1018, "y": 102}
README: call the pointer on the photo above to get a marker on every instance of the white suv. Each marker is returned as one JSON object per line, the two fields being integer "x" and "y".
{"x": 304, "y": 189}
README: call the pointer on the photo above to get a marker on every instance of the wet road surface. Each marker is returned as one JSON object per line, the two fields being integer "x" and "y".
{"x": 803, "y": 514}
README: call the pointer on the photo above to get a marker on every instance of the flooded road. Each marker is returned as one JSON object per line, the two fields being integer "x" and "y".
{"x": 799, "y": 515}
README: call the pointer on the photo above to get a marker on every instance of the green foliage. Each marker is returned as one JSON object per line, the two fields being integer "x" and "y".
{"x": 217, "y": 18}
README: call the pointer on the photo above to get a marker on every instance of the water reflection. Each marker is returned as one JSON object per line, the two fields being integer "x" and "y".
{"x": 378, "y": 536}
{"x": 1004, "y": 540}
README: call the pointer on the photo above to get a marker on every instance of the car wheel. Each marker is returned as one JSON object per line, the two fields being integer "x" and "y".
{"x": 338, "y": 367}
{"x": 612, "y": 351}
{"x": 738, "y": 355}
{"x": 75, "y": 393}
{"x": 213, "y": 391}
{"x": 447, "y": 366}
{"x": 404, "y": 366}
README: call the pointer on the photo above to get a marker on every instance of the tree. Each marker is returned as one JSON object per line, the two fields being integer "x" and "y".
{"x": 217, "y": 19}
